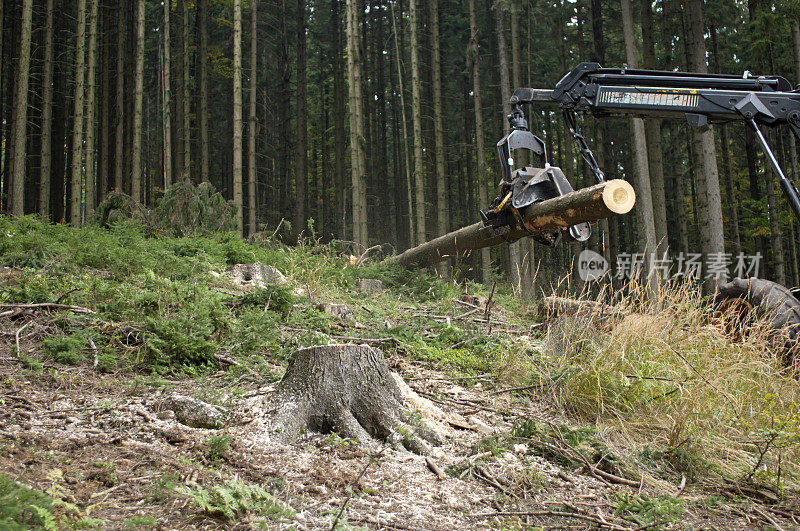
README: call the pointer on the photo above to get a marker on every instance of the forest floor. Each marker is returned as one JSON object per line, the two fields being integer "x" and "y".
{"x": 88, "y": 440}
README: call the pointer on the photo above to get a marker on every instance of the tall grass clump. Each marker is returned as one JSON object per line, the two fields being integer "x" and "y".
{"x": 660, "y": 370}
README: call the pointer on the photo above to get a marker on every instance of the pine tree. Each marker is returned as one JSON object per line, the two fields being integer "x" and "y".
{"x": 237, "y": 113}
{"x": 644, "y": 196}
{"x": 77, "y": 127}
{"x": 709, "y": 200}
{"x": 301, "y": 166}
{"x": 653, "y": 136}
{"x": 47, "y": 113}
{"x": 91, "y": 89}
{"x": 202, "y": 61}
{"x": 357, "y": 155}
{"x": 166, "y": 101}
{"x": 119, "y": 133}
{"x": 442, "y": 202}
{"x": 406, "y": 156}
{"x": 416, "y": 116}
{"x": 505, "y": 95}
{"x": 473, "y": 54}
{"x": 21, "y": 111}
{"x": 138, "y": 82}
{"x": 252, "y": 131}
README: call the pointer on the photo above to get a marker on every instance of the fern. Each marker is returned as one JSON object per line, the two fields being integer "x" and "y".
{"x": 235, "y": 498}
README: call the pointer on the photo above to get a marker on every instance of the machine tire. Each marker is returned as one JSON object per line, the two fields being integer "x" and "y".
{"x": 743, "y": 303}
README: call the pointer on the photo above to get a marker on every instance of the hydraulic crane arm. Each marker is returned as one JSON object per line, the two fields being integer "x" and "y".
{"x": 698, "y": 98}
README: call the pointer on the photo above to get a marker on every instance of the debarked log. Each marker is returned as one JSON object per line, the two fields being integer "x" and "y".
{"x": 604, "y": 200}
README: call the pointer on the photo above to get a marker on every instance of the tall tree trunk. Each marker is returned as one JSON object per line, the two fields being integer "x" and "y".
{"x": 237, "y": 114}
{"x": 442, "y": 204}
{"x": 61, "y": 128}
{"x": 4, "y": 181}
{"x": 119, "y": 140}
{"x": 202, "y": 60}
{"x": 283, "y": 184}
{"x": 407, "y": 157}
{"x": 77, "y": 131}
{"x": 505, "y": 94}
{"x": 8, "y": 80}
{"x": 179, "y": 64}
{"x": 166, "y": 112}
{"x": 357, "y": 156}
{"x": 105, "y": 109}
{"x": 387, "y": 193}
{"x": 645, "y": 215}
{"x": 91, "y": 85}
{"x": 655, "y": 156}
{"x": 136, "y": 148}
{"x": 710, "y": 202}
{"x": 416, "y": 114}
{"x": 338, "y": 115}
{"x": 609, "y": 227}
{"x": 677, "y": 211}
{"x": 301, "y": 164}
{"x": 186, "y": 112}
{"x": 21, "y": 111}
{"x": 47, "y": 114}
{"x": 727, "y": 174}
{"x": 252, "y": 129}
{"x": 776, "y": 234}
{"x": 525, "y": 245}
{"x": 473, "y": 55}
{"x": 793, "y": 156}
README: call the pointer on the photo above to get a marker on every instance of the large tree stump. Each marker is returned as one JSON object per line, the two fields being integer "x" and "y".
{"x": 346, "y": 389}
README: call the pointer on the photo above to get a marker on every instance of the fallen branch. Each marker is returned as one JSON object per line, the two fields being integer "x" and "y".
{"x": 277, "y": 229}
{"x": 96, "y": 360}
{"x": 46, "y": 305}
{"x": 369, "y": 340}
{"x": 563, "y": 514}
{"x": 436, "y": 469}
{"x": 563, "y": 305}
{"x": 465, "y": 341}
{"x": 513, "y": 389}
{"x": 16, "y": 337}
{"x": 363, "y": 256}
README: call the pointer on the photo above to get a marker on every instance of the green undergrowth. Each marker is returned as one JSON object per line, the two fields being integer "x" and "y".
{"x": 23, "y": 507}
{"x": 164, "y": 305}
{"x": 663, "y": 382}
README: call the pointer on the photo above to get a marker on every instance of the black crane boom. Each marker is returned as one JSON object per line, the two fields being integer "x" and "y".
{"x": 700, "y": 99}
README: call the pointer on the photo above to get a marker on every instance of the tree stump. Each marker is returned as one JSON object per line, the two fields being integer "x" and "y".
{"x": 346, "y": 389}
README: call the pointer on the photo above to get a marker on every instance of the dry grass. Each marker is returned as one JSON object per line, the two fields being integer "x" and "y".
{"x": 666, "y": 375}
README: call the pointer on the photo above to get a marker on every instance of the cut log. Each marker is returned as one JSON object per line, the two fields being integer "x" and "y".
{"x": 601, "y": 201}
{"x": 346, "y": 389}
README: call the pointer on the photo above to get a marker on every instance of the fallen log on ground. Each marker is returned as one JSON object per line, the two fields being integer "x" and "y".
{"x": 603, "y": 200}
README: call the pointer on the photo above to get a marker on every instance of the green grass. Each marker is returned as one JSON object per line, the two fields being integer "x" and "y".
{"x": 667, "y": 383}
{"x": 163, "y": 308}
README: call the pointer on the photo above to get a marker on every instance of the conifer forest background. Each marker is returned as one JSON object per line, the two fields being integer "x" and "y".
{"x": 375, "y": 121}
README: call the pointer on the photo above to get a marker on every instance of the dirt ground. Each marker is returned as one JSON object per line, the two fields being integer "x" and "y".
{"x": 106, "y": 444}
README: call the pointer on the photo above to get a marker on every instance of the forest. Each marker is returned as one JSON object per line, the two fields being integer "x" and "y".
{"x": 219, "y": 221}
{"x": 375, "y": 122}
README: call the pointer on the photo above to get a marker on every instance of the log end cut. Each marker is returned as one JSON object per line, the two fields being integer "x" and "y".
{"x": 619, "y": 196}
